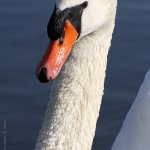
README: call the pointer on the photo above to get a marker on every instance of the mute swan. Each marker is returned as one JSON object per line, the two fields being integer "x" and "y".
{"x": 85, "y": 28}
{"x": 135, "y": 131}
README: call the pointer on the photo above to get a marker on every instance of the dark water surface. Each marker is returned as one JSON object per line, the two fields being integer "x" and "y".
{"x": 23, "y": 99}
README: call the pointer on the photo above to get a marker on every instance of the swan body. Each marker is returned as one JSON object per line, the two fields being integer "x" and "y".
{"x": 73, "y": 109}
{"x": 135, "y": 131}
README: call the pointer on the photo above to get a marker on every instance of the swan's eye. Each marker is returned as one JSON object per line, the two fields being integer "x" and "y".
{"x": 84, "y": 4}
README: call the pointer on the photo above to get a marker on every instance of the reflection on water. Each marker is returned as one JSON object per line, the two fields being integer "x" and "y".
{"x": 23, "y": 40}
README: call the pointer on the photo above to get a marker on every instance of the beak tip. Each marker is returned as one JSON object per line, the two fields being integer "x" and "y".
{"x": 42, "y": 75}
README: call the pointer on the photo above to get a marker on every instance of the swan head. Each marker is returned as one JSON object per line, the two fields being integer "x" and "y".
{"x": 95, "y": 14}
{"x": 70, "y": 21}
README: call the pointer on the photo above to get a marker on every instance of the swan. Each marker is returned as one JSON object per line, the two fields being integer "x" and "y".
{"x": 135, "y": 131}
{"x": 80, "y": 33}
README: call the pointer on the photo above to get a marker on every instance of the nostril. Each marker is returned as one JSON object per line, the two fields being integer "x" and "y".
{"x": 61, "y": 39}
{"x": 43, "y": 75}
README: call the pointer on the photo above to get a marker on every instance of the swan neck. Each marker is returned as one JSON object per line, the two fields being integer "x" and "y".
{"x": 74, "y": 104}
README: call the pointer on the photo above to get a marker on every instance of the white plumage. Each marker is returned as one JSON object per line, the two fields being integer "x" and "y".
{"x": 135, "y": 131}
{"x": 73, "y": 110}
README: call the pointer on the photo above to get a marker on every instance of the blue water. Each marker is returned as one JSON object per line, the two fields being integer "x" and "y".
{"x": 23, "y": 99}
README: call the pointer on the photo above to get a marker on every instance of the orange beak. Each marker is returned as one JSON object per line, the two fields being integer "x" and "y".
{"x": 56, "y": 54}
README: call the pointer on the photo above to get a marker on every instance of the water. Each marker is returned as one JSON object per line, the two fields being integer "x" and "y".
{"x": 23, "y": 99}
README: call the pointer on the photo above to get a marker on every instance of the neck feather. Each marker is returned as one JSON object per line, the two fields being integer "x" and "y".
{"x": 74, "y": 104}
